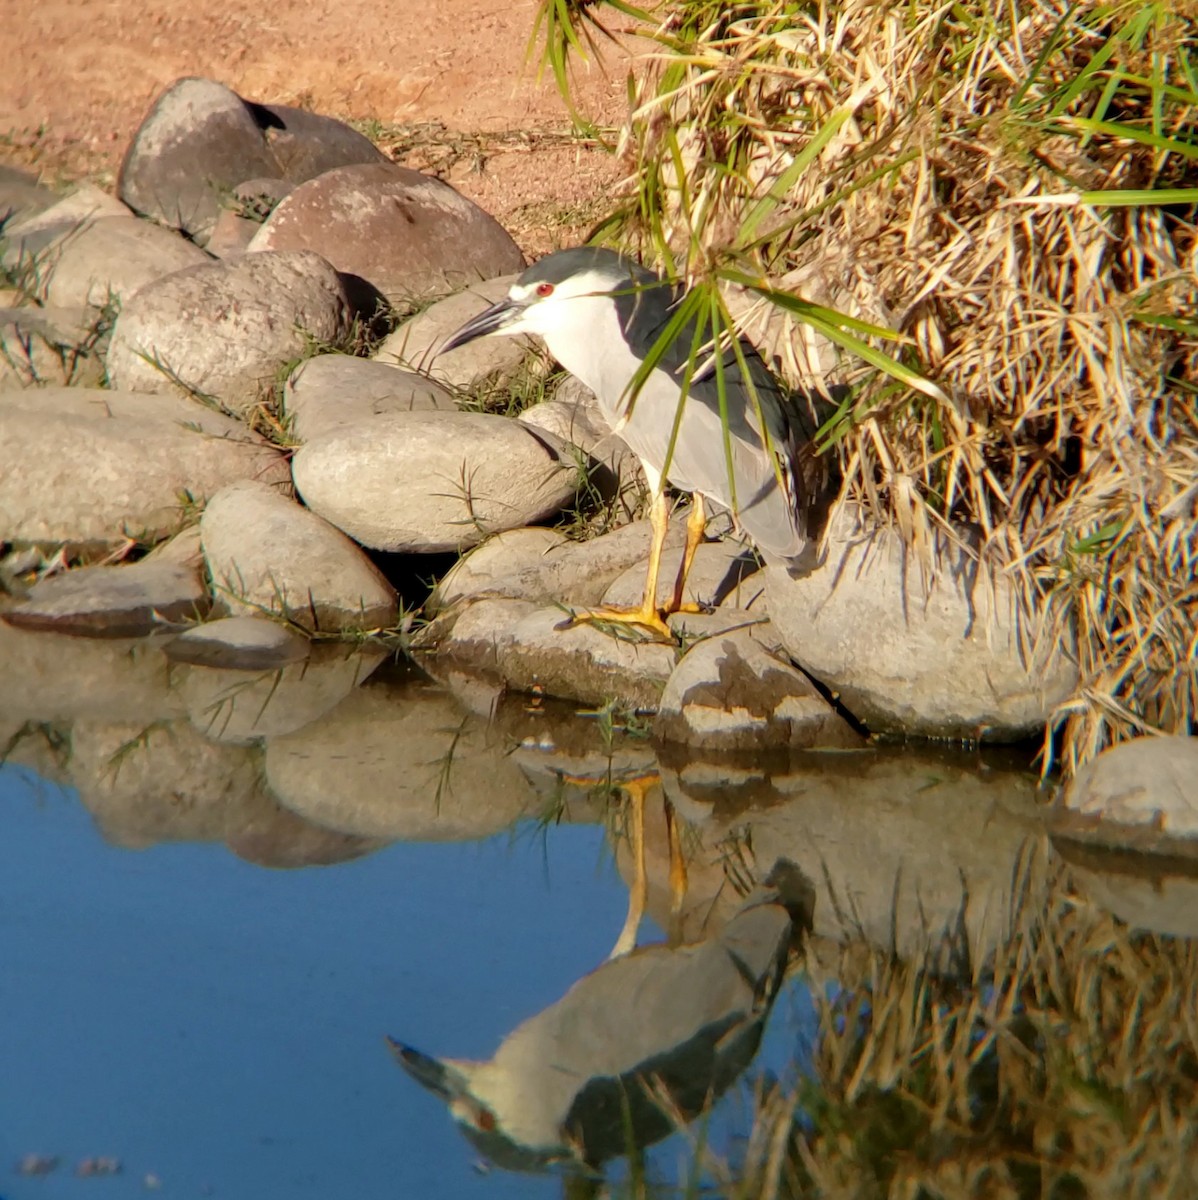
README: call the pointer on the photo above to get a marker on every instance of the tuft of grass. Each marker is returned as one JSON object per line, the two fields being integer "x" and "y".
{"x": 1067, "y": 1067}
{"x": 972, "y": 230}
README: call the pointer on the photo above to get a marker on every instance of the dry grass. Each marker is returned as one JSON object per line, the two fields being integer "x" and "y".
{"x": 1011, "y": 191}
{"x": 1069, "y": 1069}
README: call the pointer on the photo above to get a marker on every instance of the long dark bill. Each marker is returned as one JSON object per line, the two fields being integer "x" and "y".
{"x": 428, "y": 1072}
{"x": 490, "y": 320}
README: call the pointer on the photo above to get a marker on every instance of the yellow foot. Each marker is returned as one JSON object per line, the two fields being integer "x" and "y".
{"x": 643, "y": 617}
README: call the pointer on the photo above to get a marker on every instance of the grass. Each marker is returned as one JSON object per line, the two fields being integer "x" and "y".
{"x": 972, "y": 230}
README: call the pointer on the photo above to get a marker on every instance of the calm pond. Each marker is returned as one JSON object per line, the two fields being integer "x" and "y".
{"x": 220, "y": 891}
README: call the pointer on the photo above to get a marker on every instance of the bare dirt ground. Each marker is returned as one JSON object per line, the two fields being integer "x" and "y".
{"x": 441, "y": 85}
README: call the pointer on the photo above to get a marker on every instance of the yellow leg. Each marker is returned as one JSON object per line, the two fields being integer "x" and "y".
{"x": 696, "y": 524}
{"x": 677, "y": 874}
{"x": 646, "y": 614}
{"x": 638, "y": 894}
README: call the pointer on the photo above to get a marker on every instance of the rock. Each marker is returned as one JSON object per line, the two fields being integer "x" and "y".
{"x": 159, "y": 782}
{"x": 66, "y": 678}
{"x": 532, "y": 569}
{"x": 480, "y": 631}
{"x": 494, "y": 567}
{"x": 416, "y": 344}
{"x": 265, "y": 833}
{"x": 1149, "y": 781}
{"x": 123, "y": 602}
{"x": 432, "y": 481}
{"x": 225, "y": 329}
{"x": 715, "y": 575}
{"x": 407, "y": 234}
{"x": 583, "y": 663}
{"x": 184, "y": 550}
{"x": 335, "y": 390}
{"x": 83, "y": 204}
{"x": 256, "y": 199}
{"x": 399, "y": 762}
{"x": 266, "y": 554}
{"x": 729, "y": 693}
{"x": 200, "y": 139}
{"x": 231, "y": 235}
{"x": 91, "y": 468}
{"x": 239, "y": 644}
{"x": 572, "y": 414}
{"x": 53, "y": 347}
{"x": 943, "y": 661}
{"x": 109, "y": 259}
{"x": 243, "y": 705}
{"x": 920, "y": 854}
{"x": 21, "y": 196}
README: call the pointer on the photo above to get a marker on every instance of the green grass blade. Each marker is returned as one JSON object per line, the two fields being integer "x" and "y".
{"x": 1133, "y": 134}
{"x": 782, "y": 186}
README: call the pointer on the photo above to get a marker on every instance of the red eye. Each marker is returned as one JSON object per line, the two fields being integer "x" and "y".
{"x": 544, "y": 289}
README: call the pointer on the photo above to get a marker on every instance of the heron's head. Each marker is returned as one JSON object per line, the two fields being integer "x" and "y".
{"x": 547, "y": 298}
{"x": 453, "y": 1081}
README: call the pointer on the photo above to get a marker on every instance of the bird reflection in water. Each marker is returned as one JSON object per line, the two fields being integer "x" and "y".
{"x": 642, "y": 1043}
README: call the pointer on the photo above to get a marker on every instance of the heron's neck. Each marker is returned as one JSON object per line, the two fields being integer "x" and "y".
{"x": 593, "y": 348}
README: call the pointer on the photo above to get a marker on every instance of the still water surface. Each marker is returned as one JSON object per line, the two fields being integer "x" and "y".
{"x": 218, "y": 1026}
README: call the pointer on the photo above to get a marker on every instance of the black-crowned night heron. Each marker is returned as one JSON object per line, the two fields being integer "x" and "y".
{"x": 632, "y": 1048}
{"x": 600, "y": 314}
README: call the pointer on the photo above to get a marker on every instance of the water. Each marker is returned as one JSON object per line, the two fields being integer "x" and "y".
{"x": 217, "y": 1026}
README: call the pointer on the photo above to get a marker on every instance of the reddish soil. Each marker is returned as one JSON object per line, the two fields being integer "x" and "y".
{"x": 78, "y": 78}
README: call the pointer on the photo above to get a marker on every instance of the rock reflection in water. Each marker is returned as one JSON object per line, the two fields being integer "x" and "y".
{"x": 641, "y": 1045}
{"x": 914, "y": 852}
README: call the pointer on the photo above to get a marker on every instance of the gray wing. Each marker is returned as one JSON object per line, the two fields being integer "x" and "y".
{"x": 764, "y": 489}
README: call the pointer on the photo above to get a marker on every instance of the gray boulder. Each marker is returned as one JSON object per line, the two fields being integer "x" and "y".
{"x": 731, "y": 694}
{"x": 478, "y": 634}
{"x": 408, "y": 235}
{"x": 949, "y": 659}
{"x": 85, "y": 203}
{"x": 267, "y": 554}
{"x": 498, "y": 566}
{"x": 200, "y": 139}
{"x": 53, "y": 347}
{"x": 225, "y": 329}
{"x": 93, "y": 468}
{"x": 545, "y": 568}
{"x": 21, "y": 196}
{"x": 417, "y": 343}
{"x": 572, "y": 414}
{"x": 1149, "y": 781}
{"x": 402, "y": 762}
{"x": 238, "y": 644}
{"x": 113, "y": 601}
{"x": 331, "y": 391}
{"x": 432, "y": 481}
{"x": 583, "y": 663}
{"x": 110, "y": 258}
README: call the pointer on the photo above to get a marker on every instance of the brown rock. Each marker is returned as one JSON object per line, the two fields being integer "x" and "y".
{"x": 200, "y": 139}
{"x": 117, "y": 602}
{"x": 407, "y": 234}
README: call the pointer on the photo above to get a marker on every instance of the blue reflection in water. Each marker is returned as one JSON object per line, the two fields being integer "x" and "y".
{"x": 220, "y": 1025}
